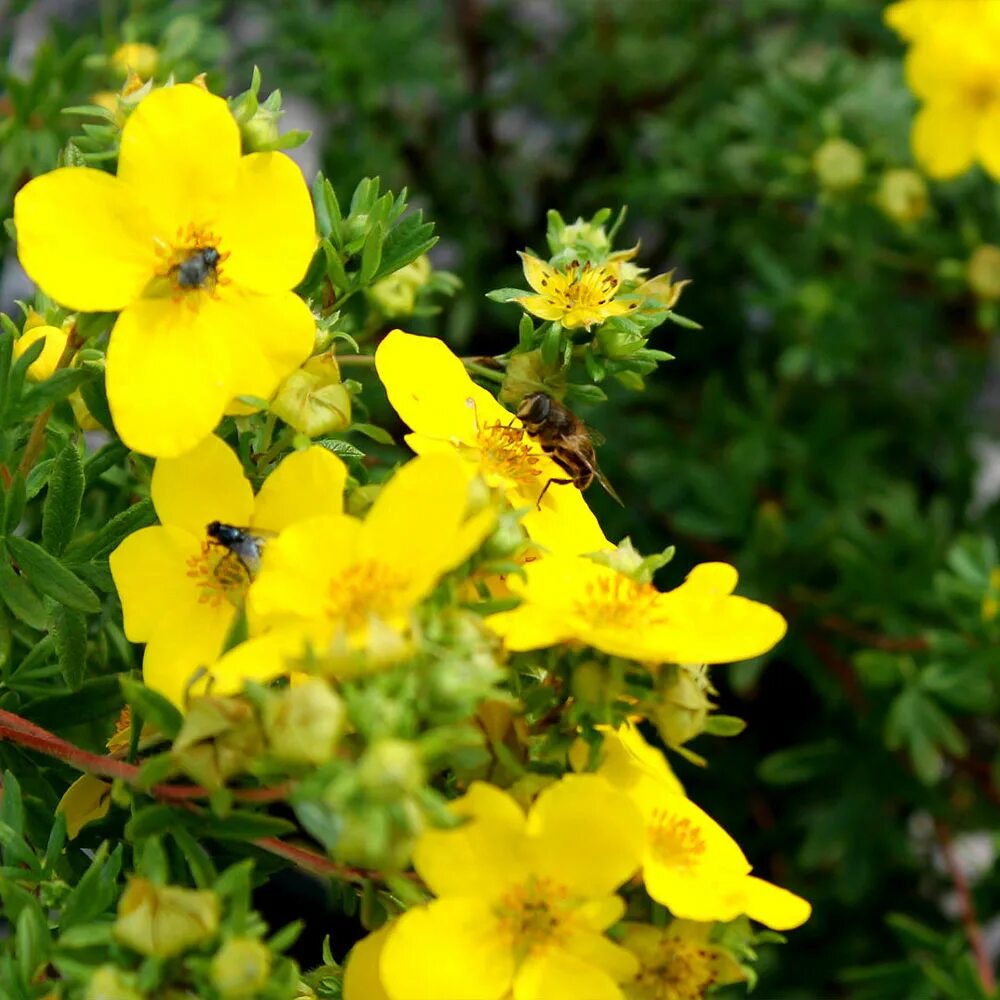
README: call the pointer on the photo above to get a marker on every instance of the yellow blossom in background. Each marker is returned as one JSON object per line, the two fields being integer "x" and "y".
{"x": 677, "y": 962}
{"x": 395, "y": 296}
{"x": 953, "y": 67}
{"x": 581, "y": 296}
{"x": 572, "y": 597}
{"x": 523, "y": 901}
{"x": 135, "y": 57}
{"x": 179, "y": 589}
{"x": 339, "y": 582}
{"x": 902, "y": 195}
{"x": 695, "y": 869}
{"x": 44, "y": 365}
{"x": 430, "y": 389}
{"x": 982, "y": 272}
{"x": 198, "y": 247}
{"x": 164, "y": 921}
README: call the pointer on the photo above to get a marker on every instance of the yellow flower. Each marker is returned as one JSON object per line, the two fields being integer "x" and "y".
{"x": 431, "y": 390}
{"x": 677, "y": 962}
{"x": 582, "y": 295}
{"x": 693, "y": 867}
{"x": 572, "y": 597}
{"x": 165, "y": 920}
{"x": 179, "y": 589}
{"x": 522, "y": 901}
{"x": 135, "y": 57}
{"x": 953, "y": 67}
{"x": 45, "y": 364}
{"x": 628, "y": 761}
{"x": 339, "y": 582}
{"x": 197, "y": 246}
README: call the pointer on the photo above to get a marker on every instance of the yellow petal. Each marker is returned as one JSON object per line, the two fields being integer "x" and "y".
{"x": 696, "y": 894}
{"x": 542, "y": 307}
{"x": 305, "y": 484}
{"x": 180, "y": 151}
{"x": 202, "y": 485}
{"x": 596, "y": 950}
{"x": 261, "y": 659}
{"x": 84, "y": 238}
{"x": 540, "y": 275}
{"x": 594, "y": 863}
{"x": 168, "y": 377}
{"x": 450, "y": 949}
{"x": 627, "y": 760}
{"x": 565, "y": 523}
{"x": 483, "y": 857}
{"x": 87, "y": 800}
{"x": 361, "y": 974}
{"x": 55, "y": 343}
{"x": 557, "y": 975}
{"x": 988, "y": 141}
{"x": 773, "y": 906}
{"x": 152, "y": 561}
{"x": 944, "y": 138}
{"x": 430, "y": 389}
{"x": 264, "y": 337}
{"x": 267, "y": 224}
{"x": 527, "y": 627}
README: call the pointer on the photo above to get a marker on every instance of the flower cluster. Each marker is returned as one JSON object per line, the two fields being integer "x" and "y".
{"x": 441, "y": 663}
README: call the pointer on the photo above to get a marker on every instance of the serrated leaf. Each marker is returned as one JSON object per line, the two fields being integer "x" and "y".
{"x": 152, "y": 706}
{"x": 61, "y": 509}
{"x": 50, "y": 577}
{"x": 343, "y": 448}
{"x": 70, "y": 631}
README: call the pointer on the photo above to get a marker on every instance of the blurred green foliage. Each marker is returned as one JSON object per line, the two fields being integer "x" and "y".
{"x": 824, "y": 430}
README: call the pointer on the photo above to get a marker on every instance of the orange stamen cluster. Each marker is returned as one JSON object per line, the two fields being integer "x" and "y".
{"x": 618, "y": 600}
{"x": 681, "y": 971}
{"x": 586, "y": 286}
{"x": 675, "y": 840}
{"x": 507, "y": 452}
{"x": 218, "y": 574}
{"x": 534, "y": 915}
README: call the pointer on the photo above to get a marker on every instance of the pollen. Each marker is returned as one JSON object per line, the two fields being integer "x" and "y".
{"x": 616, "y": 600}
{"x": 219, "y": 576}
{"x": 535, "y": 916}
{"x": 365, "y": 589}
{"x": 507, "y": 452}
{"x": 679, "y": 971}
{"x": 675, "y": 840}
{"x": 587, "y": 286}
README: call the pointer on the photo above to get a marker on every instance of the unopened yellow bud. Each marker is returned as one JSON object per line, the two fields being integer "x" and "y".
{"x": 683, "y": 708}
{"x": 110, "y": 983}
{"x": 839, "y": 165}
{"x": 983, "y": 272}
{"x": 390, "y": 768}
{"x": 313, "y": 399}
{"x": 219, "y": 738}
{"x": 902, "y": 195}
{"x": 304, "y": 722}
{"x": 661, "y": 292}
{"x": 165, "y": 920}
{"x": 137, "y": 57}
{"x": 44, "y": 365}
{"x": 261, "y": 130}
{"x": 527, "y": 373}
{"x": 395, "y": 295}
{"x": 241, "y": 968}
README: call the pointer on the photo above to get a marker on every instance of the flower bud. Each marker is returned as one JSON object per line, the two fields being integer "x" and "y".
{"x": 526, "y": 373}
{"x": 110, "y": 983}
{"x": 684, "y": 706}
{"x": 241, "y": 968}
{"x": 313, "y": 399}
{"x": 396, "y": 294}
{"x": 260, "y": 131}
{"x": 164, "y": 921}
{"x": 304, "y": 722}
{"x": 839, "y": 165}
{"x": 391, "y": 768}
{"x": 902, "y": 195}
{"x": 586, "y": 234}
{"x": 135, "y": 57}
{"x": 44, "y": 365}
{"x": 983, "y": 272}
{"x": 661, "y": 292}
{"x": 219, "y": 738}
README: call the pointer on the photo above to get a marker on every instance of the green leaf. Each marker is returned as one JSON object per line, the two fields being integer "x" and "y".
{"x": 405, "y": 242}
{"x": 45, "y": 394}
{"x": 238, "y": 825}
{"x": 371, "y": 254}
{"x": 70, "y": 630}
{"x": 724, "y": 725}
{"x": 61, "y": 510}
{"x": 95, "y": 397}
{"x": 152, "y": 706}
{"x": 551, "y": 345}
{"x": 96, "y": 889}
{"x": 23, "y": 602}
{"x": 97, "y": 699}
{"x": 32, "y": 941}
{"x": 506, "y": 294}
{"x": 342, "y": 448}
{"x": 11, "y": 804}
{"x": 15, "y": 497}
{"x": 50, "y": 577}
{"x": 378, "y": 434}
{"x": 99, "y": 544}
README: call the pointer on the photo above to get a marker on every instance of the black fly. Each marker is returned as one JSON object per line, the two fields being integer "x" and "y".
{"x": 196, "y": 270}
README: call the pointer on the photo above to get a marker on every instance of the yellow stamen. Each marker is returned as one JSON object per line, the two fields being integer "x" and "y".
{"x": 535, "y": 916}
{"x": 506, "y": 451}
{"x": 681, "y": 971}
{"x": 674, "y": 840}
{"x": 219, "y": 575}
{"x": 620, "y": 602}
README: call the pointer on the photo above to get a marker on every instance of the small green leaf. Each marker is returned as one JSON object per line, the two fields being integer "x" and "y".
{"x": 70, "y": 630}
{"x": 99, "y": 544}
{"x": 343, "y": 448}
{"x": 15, "y": 497}
{"x": 724, "y": 725}
{"x": 152, "y": 706}
{"x": 23, "y": 602}
{"x": 551, "y": 345}
{"x": 371, "y": 254}
{"x": 61, "y": 510}
{"x": 50, "y": 577}
{"x": 506, "y": 294}
{"x": 378, "y": 434}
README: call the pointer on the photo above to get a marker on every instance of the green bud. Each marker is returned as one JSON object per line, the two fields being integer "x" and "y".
{"x": 304, "y": 722}
{"x": 983, "y": 272}
{"x": 684, "y": 705}
{"x": 391, "y": 768}
{"x": 839, "y": 165}
{"x": 902, "y": 195}
{"x": 313, "y": 399}
{"x": 583, "y": 234}
{"x": 395, "y": 295}
{"x": 260, "y": 131}
{"x": 109, "y": 983}
{"x": 507, "y": 539}
{"x": 164, "y": 921}
{"x": 241, "y": 968}
{"x": 527, "y": 373}
{"x": 219, "y": 738}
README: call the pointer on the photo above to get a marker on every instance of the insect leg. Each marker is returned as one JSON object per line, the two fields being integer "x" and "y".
{"x": 552, "y": 482}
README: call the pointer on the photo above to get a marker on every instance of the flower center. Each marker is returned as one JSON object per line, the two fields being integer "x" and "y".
{"x": 680, "y": 972}
{"x": 364, "y": 589}
{"x": 618, "y": 601}
{"x": 535, "y": 915}
{"x": 675, "y": 840}
{"x": 219, "y": 575}
{"x": 586, "y": 286}
{"x": 506, "y": 452}
{"x": 192, "y": 262}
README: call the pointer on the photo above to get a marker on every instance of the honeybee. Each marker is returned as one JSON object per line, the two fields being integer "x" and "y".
{"x": 566, "y": 439}
{"x": 244, "y": 545}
